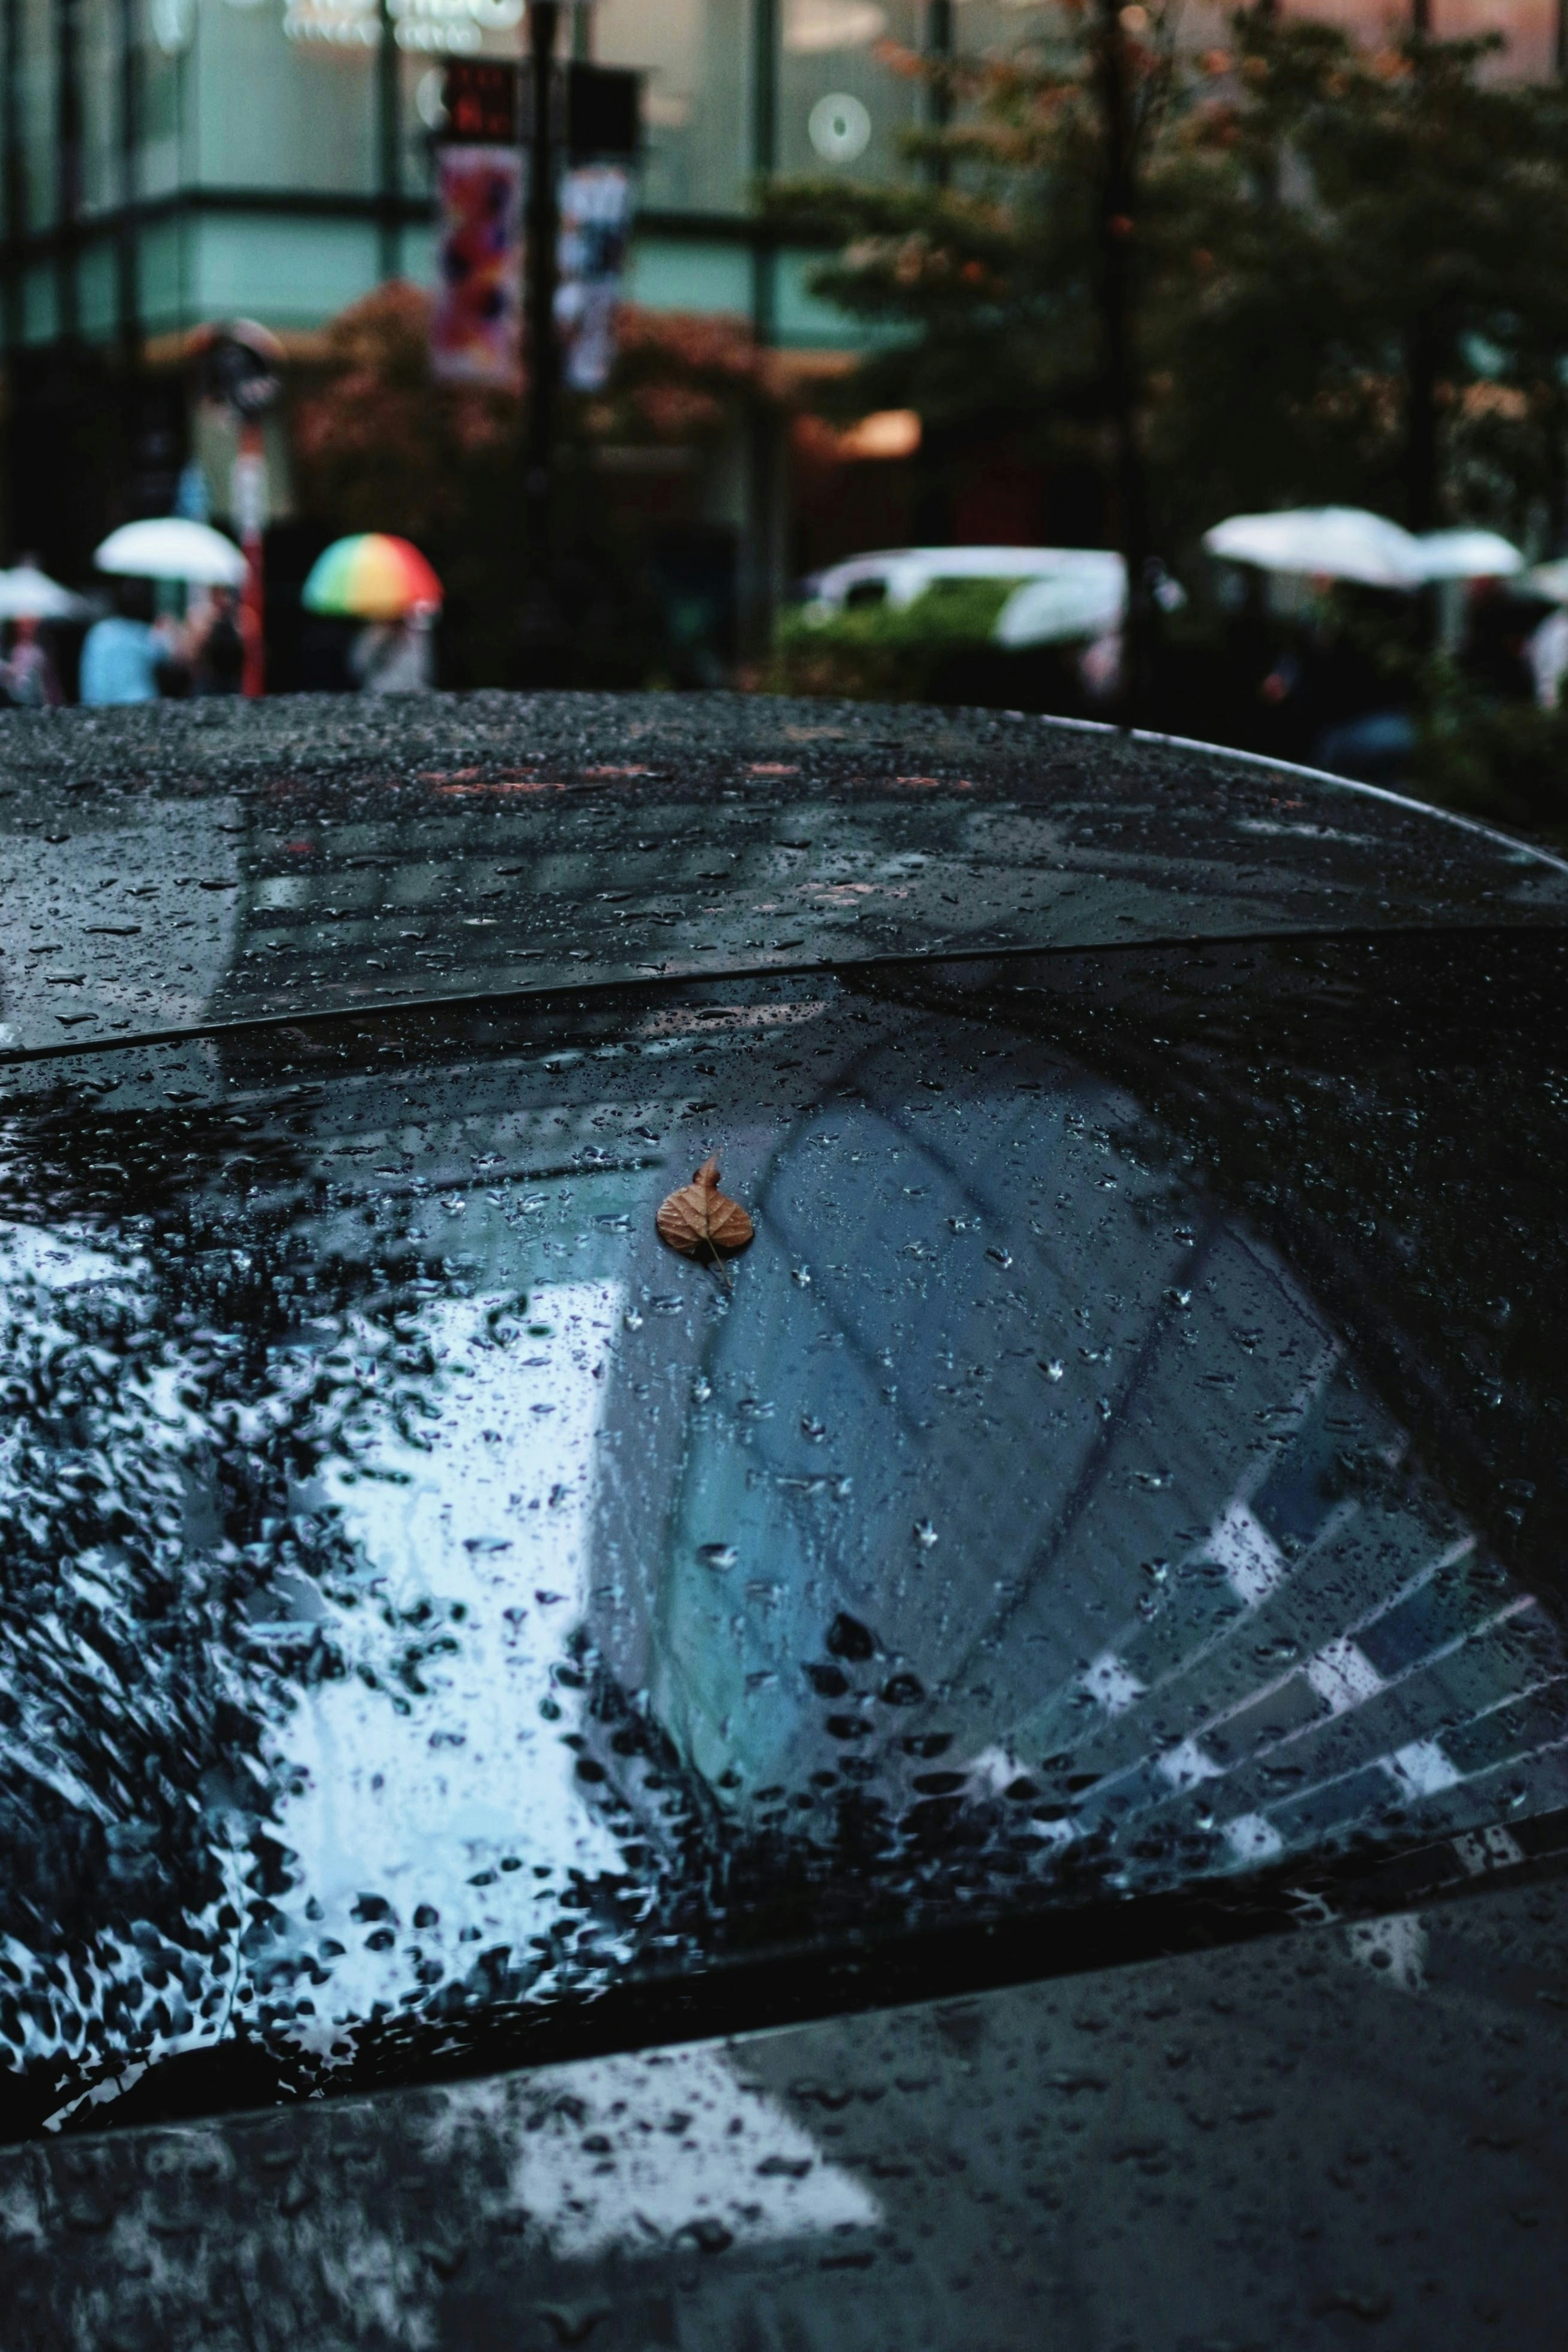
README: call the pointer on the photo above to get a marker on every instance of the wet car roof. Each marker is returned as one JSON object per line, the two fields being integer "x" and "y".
{"x": 1349, "y": 2135}
{"x": 206, "y": 864}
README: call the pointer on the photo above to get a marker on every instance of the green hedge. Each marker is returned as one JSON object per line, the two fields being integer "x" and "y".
{"x": 882, "y": 653}
{"x": 1506, "y": 761}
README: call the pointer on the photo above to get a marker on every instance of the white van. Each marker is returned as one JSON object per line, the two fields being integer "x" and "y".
{"x": 1062, "y": 592}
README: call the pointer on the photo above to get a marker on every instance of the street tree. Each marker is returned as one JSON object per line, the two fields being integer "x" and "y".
{"x": 1289, "y": 271}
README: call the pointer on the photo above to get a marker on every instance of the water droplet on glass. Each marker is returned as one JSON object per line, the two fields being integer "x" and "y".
{"x": 848, "y": 1638}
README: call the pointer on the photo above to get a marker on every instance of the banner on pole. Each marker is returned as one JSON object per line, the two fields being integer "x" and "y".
{"x": 595, "y": 223}
{"x": 475, "y": 331}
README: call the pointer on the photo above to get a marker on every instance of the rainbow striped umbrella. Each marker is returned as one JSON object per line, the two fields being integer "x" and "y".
{"x": 373, "y": 576}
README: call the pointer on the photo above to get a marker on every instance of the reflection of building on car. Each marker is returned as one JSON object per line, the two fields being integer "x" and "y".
{"x": 1065, "y": 1449}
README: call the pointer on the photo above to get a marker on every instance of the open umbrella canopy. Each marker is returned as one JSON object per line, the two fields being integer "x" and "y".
{"x": 1326, "y": 543}
{"x": 1550, "y": 579}
{"x": 1084, "y": 596}
{"x": 170, "y": 547}
{"x": 28, "y": 594}
{"x": 1469, "y": 556}
{"x": 374, "y": 577}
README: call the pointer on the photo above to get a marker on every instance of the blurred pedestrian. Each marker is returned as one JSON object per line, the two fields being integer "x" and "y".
{"x": 1338, "y": 693}
{"x": 126, "y": 657}
{"x": 29, "y": 677}
{"x": 1494, "y": 653}
{"x": 394, "y": 657}
{"x": 216, "y": 647}
{"x": 1546, "y": 650}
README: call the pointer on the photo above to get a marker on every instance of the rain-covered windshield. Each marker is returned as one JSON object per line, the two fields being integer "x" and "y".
{"x": 1125, "y": 1460}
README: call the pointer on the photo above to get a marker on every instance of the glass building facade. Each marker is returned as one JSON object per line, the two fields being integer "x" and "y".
{"x": 170, "y": 161}
{"x": 167, "y": 162}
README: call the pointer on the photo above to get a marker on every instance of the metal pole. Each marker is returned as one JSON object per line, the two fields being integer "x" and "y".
{"x": 14, "y": 184}
{"x": 389, "y": 144}
{"x": 1556, "y": 468}
{"x": 250, "y": 502}
{"x": 762, "y": 454}
{"x": 67, "y": 160}
{"x": 538, "y": 299}
{"x": 128, "y": 281}
{"x": 128, "y": 291}
{"x": 1423, "y": 355}
{"x": 764, "y": 156}
{"x": 1118, "y": 225}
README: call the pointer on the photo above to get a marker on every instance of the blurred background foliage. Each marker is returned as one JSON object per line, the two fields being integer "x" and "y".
{"x": 936, "y": 649}
{"x": 1341, "y": 278}
{"x": 378, "y": 445}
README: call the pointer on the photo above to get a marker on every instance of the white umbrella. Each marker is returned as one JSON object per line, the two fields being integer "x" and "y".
{"x": 1469, "y": 556}
{"x": 28, "y": 594}
{"x": 1330, "y": 542}
{"x": 1086, "y": 597}
{"x": 1550, "y": 579}
{"x": 170, "y": 547}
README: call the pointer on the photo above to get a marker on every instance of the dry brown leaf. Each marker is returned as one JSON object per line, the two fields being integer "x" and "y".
{"x": 701, "y": 1222}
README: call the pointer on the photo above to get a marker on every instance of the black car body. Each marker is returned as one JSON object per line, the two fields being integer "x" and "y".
{"x": 995, "y": 1772}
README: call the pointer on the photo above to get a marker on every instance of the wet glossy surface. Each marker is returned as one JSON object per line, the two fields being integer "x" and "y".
{"x": 206, "y": 863}
{"x": 1128, "y": 1461}
{"x": 1343, "y": 2136}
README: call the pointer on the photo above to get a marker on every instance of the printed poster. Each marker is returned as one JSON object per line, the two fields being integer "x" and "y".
{"x": 595, "y": 223}
{"x": 475, "y": 334}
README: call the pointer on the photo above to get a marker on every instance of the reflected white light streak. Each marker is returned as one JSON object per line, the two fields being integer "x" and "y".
{"x": 739, "y": 2160}
{"x": 489, "y": 1527}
